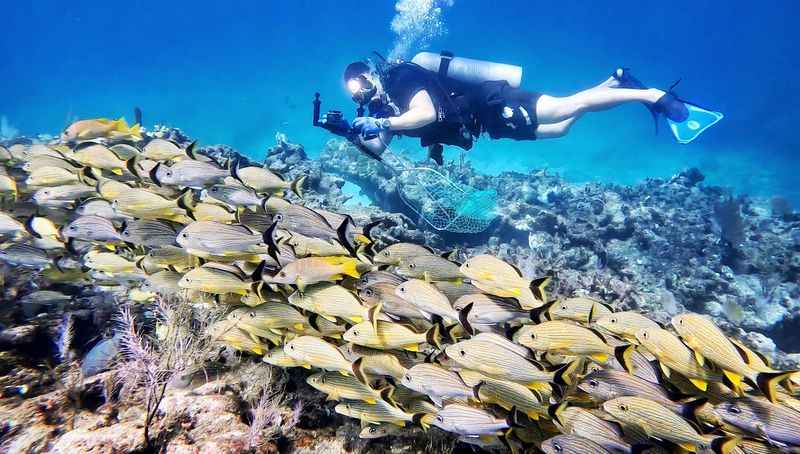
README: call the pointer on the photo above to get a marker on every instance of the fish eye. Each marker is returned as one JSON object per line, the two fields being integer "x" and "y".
{"x": 291, "y": 347}
{"x": 613, "y": 320}
{"x": 645, "y": 335}
{"x": 386, "y": 253}
{"x": 282, "y": 274}
{"x": 563, "y": 307}
{"x": 439, "y": 419}
{"x": 372, "y": 429}
{"x": 557, "y": 447}
{"x": 407, "y": 377}
{"x": 355, "y": 333}
{"x": 533, "y": 335}
{"x": 680, "y": 321}
{"x": 368, "y": 292}
{"x": 185, "y": 235}
{"x": 593, "y": 383}
{"x": 734, "y": 409}
{"x": 412, "y": 266}
{"x": 278, "y": 217}
{"x": 463, "y": 353}
{"x": 252, "y": 314}
{"x": 402, "y": 289}
{"x": 72, "y": 227}
{"x": 623, "y": 407}
{"x": 215, "y": 189}
{"x": 169, "y": 174}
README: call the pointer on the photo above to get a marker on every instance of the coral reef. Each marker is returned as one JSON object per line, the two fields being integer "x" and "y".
{"x": 661, "y": 247}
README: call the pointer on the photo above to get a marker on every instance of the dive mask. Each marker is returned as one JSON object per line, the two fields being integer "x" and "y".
{"x": 362, "y": 89}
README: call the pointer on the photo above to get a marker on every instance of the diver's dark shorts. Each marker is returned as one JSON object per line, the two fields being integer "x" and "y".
{"x": 507, "y": 112}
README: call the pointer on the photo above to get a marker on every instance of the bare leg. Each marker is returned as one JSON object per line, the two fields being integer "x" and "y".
{"x": 550, "y": 109}
{"x": 555, "y": 130}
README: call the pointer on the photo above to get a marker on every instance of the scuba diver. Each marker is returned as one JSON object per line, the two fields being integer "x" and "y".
{"x": 447, "y": 100}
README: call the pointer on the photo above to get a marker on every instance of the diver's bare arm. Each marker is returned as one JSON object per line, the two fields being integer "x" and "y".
{"x": 420, "y": 113}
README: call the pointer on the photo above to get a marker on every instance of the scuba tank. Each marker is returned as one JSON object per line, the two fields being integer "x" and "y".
{"x": 468, "y": 70}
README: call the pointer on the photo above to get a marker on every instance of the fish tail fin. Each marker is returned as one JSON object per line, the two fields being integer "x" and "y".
{"x": 422, "y": 420}
{"x": 234, "y": 168}
{"x": 132, "y": 165}
{"x": 136, "y": 131}
{"x": 463, "y": 317}
{"x": 297, "y": 186}
{"x": 361, "y": 254}
{"x": 358, "y": 371}
{"x": 272, "y": 246}
{"x": 387, "y": 394}
{"x": 564, "y": 374}
{"x": 120, "y": 125}
{"x": 154, "y": 174}
{"x": 767, "y": 382}
{"x": 350, "y": 268}
{"x": 257, "y": 274}
{"x": 690, "y": 410}
{"x": 476, "y": 391}
{"x": 190, "y": 153}
{"x": 451, "y": 334}
{"x": 510, "y": 441}
{"x": 540, "y": 314}
{"x": 373, "y": 313}
{"x": 517, "y": 418}
{"x": 555, "y": 410}
{"x": 434, "y": 336}
{"x": 623, "y": 355}
{"x": 369, "y": 227}
{"x": 537, "y": 287}
{"x": 186, "y": 200}
{"x": 724, "y": 445}
{"x": 85, "y": 174}
{"x": 344, "y": 234}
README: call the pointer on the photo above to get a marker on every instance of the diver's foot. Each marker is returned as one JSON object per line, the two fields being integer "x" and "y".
{"x": 671, "y": 107}
{"x": 625, "y": 79}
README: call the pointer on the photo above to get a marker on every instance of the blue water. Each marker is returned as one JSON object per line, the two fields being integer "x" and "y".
{"x": 237, "y": 72}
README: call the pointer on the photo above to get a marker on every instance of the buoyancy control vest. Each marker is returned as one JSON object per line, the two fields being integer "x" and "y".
{"x": 456, "y": 123}
{"x": 470, "y": 97}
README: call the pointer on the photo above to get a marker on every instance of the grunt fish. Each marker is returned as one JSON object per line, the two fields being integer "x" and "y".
{"x": 100, "y": 128}
{"x": 437, "y": 383}
{"x": 262, "y": 180}
{"x": 313, "y": 351}
{"x": 708, "y": 342}
{"x": 92, "y": 228}
{"x": 388, "y": 335}
{"x": 427, "y": 298}
{"x": 572, "y": 444}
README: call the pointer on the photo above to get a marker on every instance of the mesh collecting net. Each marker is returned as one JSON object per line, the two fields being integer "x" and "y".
{"x": 445, "y": 204}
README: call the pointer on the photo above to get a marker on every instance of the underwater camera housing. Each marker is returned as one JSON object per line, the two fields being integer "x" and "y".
{"x": 333, "y": 121}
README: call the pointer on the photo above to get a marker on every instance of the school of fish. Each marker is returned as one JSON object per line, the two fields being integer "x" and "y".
{"x": 401, "y": 336}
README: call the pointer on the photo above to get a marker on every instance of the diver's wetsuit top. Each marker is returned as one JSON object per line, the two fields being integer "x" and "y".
{"x": 452, "y": 126}
{"x": 463, "y": 110}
